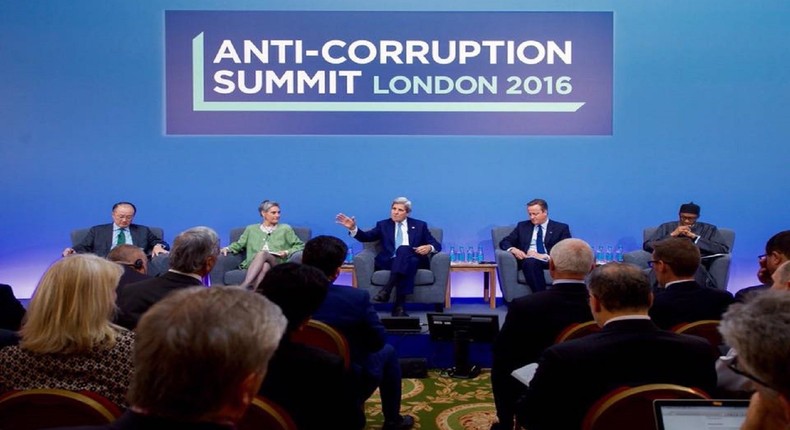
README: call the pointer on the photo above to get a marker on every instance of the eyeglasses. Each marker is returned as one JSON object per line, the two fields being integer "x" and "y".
{"x": 733, "y": 365}
{"x": 761, "y": 256}
{"x": 652, "y": 262}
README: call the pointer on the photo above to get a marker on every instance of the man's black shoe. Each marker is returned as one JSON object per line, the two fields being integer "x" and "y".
{"x": 398, "y": 311}
{"x": 383, "y": 295}
{"x": 402, "y": 423}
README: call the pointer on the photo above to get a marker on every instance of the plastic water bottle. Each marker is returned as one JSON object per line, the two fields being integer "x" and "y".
{"x": 459, "y": 256}
{"x": 470, "y": 255}
{"x": 599, "y": 255}
{"x": 452, "y": 254}
{"x": 608, "y": 253}
{"x": 618, "y": 255}
{"x": 350, "y": 255}
{"x": 479, "y": 254}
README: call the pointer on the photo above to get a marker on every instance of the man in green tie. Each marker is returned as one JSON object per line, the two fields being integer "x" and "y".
{"x": 102, "y": 238}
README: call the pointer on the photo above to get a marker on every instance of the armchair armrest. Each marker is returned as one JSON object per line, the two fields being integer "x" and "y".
{"x": 507, "y": 266}
{"x": 638, "y": 258}
{"x": 719, "y": 269}
{"x": 364, "y": 263}
{"x": 440, "y": 266}
{"x": 225, "y": 263}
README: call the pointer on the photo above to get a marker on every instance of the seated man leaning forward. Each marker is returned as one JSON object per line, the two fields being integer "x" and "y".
{"x": 705, "y": 236}
{"x": 102, "y": 238}
{"x": 405, "y": 245}
{"x": 628, "y": 351}
{"x": 531, "y": 241}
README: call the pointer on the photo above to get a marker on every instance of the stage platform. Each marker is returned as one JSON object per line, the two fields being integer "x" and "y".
{"x": 440, "y": 354}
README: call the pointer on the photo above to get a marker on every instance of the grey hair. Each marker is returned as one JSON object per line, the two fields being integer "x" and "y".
{"x": 402, "y": 201}
{"x": 195, "y": 348}
{"x": 266, "y": 205}
{"x": 782, "y": 274}
{"x": 760, "y": 331}
{"x": 572, "y": 256}
{"x": 192, "y": 247}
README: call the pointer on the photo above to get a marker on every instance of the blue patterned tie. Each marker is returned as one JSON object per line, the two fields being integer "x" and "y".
{"x": 398, "y": 237}
{"x": 539, "y": 241}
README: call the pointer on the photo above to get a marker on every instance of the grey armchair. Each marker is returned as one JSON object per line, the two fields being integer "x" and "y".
{"x": 430, "y": 286}
{"x": 718, "y": 267}
{"x": 227, "y": 272}
{"x": 511, "y": 278}
{"x": 157, "y": 265}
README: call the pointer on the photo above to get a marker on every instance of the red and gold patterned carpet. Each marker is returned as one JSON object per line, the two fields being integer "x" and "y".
{"x": 442, "y": 403}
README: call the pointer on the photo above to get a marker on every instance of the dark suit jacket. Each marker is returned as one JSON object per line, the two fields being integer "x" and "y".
{"x": 384, "y": 232}
{"x": 521, "y": 236}
{"x": 710, "y": 242}
{"x": 11, "y": 309}
{"x": 688, "y": 302}
{"x": 130, "y": 276}
{"x": 573, "y": 375}
{"x": 531, "y": 325}
{"x": 313, "y": 386}
{"x": 134, "y": 299}
{"x": 349, "y": 310}
{"x": 99, "y": 239}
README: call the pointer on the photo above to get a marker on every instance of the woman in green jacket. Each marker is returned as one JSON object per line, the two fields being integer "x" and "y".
{"x": 267, "y": 244}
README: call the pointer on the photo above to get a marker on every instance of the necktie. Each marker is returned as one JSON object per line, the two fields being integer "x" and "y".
{"x": 121, "y": 237}
{"x": 539, "y": 241}
{"x": 398, "y": 235}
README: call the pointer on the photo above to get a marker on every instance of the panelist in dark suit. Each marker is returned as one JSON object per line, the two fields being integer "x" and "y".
{"x": 534, "y": 321}
{"x": 681, "y": 299}
{"x": 630, "y": 350}
{"x": 194, "y": 253}
{"x": 102, "y": 238}
{"x": 373, "y": 361}
{"x": 404, "y": 249}
{"x": 705, "y": 236}
{"x": 531, "y": 242}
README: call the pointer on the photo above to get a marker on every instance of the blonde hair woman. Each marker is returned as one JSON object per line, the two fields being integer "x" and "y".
{"x": 67, "y": 338}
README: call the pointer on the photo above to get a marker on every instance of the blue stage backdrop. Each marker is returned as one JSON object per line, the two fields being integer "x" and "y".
{"x": 699, "y": 97}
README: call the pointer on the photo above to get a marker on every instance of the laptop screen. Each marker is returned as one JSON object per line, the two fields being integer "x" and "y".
{"x": 700, "y": 414}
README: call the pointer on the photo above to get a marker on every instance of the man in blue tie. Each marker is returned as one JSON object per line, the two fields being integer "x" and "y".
{"x": 406, "y": 244}
{"x": 531, "y": 241}
{"x": 102, "y": 238}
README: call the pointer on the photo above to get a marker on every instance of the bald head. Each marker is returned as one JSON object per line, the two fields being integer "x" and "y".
{"x": 128, "y": 255}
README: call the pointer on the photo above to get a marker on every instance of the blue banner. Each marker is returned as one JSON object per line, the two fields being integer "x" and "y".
{"x": 380, "y": 73}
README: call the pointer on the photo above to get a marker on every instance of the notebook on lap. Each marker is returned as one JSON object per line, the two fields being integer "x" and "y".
{"x": 700, "y": 414}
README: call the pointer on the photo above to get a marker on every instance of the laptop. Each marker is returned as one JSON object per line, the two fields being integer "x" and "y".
{"x": 700, "y": 414}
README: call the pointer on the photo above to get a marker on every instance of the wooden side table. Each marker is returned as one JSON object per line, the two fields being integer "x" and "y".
{"x": 489, "y": 280}
{"x": 349, "y": 268}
